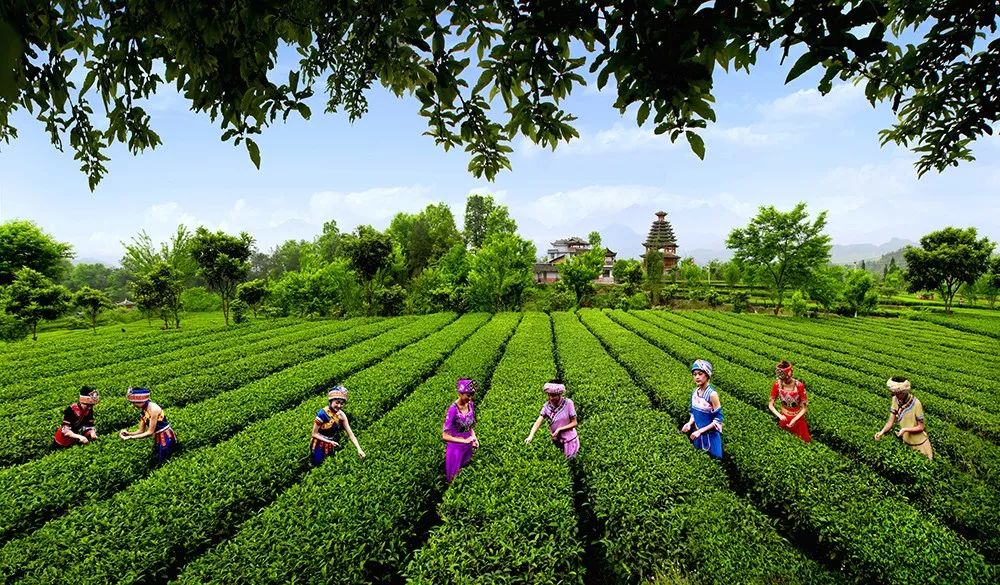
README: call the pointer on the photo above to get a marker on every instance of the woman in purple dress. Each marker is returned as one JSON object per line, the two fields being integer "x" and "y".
{"x": 560, "y": 412}
{"x": 458, "y": 433}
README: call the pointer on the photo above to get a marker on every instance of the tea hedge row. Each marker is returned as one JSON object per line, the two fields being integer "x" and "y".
{"x": 378, "y": 507}
{"x": 965, "y": 504}
{"x": 50, "y": 485}
{"x": 113, "y": 340}
{"x": 860, "y": 373}
{"x": 968, "y": 451}
{"x": 919, "y": 334}
{"x": 222, "y": 485}
{"x": 987, "y": 326}
{"x": 950, "y": 379}
{"x": 509, "y": 518}
{"x": 661, "y": 506}
{"x": 816, "y": 493}
{"x": 37, "y": 372}
{"x": 28, "y": 389}
{"x": 27, "y": 435}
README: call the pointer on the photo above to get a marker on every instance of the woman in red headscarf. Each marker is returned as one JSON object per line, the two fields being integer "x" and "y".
{"x": 792, "y": 395}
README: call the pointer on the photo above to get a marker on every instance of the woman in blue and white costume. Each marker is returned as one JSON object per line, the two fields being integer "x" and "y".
{"x": 706, "y": 411}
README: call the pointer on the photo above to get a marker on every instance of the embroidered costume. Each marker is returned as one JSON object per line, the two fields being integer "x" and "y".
{"x": 77, "y": 419}
{"x": 909, "y": 415}
{"x": 459, "y": 425}
{"x": 330, "y": 426}
{"x": 559, "y": 416}
{"x": 709, "y": 419}
{"x": 164, "y": 438}
{"x": 791, "y": 403}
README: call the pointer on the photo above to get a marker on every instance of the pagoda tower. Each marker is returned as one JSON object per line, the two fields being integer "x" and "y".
{"x": 661, "y": 238}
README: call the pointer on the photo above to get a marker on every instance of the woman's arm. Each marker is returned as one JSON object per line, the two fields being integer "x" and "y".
{"x": 141, "y": 432}
{"x": 67, "y": 431}
{"x": 716, "y": 422}
{"x": 914, "y": 429}
{"x": 802, "y": 413}
{"x": 775, "y": 411}
{"x": 888, "y": 425}
{"x": 566, "y": 427}
{"x": 350, "y": 435}
{"x": 534, "y": 429}
{"x": 319, "y": 437}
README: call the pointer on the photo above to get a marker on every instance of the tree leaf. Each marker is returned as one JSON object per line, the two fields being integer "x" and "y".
{"x": 805, "y": 63}
{"x": 254, "y": 151}
{"x": 697, "y": 144}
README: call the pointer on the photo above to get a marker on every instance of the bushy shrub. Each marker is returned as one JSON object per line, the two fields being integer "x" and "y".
{"x": 198, "y": 299}
{"x": 123, "y": 315}
{"x": 713, "y": 298}
{"x": 388, "y": 300}
{"x": 550, "y": 297}
{"x": 637, "y": 302}
{"x": 798, "y": 304}
{"x": 11, "y": 328}
{"x": 239, "y": 310}
{"x": 740, "y": 301}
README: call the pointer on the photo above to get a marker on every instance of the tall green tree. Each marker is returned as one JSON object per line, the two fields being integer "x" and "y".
{"x": 860, "y": 292}
{"x": 826, "y": 285}
{"x": 253, "y": 293}
{"x": 223, "y": 261}
{"x": 33, "y": 297}
{"x": 158, "y": 291}
{"x": 653, "y": 263}
{"x": 580, "y": 270}
{"x": 731, "y": 273}
{"x": 945, "y": 260}
{"x": 784, "y": 248}
{"x": 368, "y": 251}
{"x": 628, "y": 273}
{"x": 892, "y": 284}
{"x": 989, "y": 283}
{"x": 330, "y": 290}
{"x": 691, "y": 272}
{"x": 484, "y": 74}
{"x": 500, "y": 272}
{"x": 143, "y": 255}
{"x": 91, "y": 302}
{"x": 484, "y": 218}
{"x": 424, "y": 237}
{"x": 24, "y": 245}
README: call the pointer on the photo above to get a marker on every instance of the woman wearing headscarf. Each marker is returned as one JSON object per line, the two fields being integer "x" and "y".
{"x": 791, "y": 393}
{"x": 152, "y": 423}
{"x": 909, "y": 413}
{"x": 330, "y": 421}
{"x": 459, "y": 433}
{"x": 78, "y": 420}
{"x": 560, "y": 412}
{"x": 706, "y": 411}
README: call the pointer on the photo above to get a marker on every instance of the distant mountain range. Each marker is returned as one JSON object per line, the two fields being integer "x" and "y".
{"x": 839, "y": 253}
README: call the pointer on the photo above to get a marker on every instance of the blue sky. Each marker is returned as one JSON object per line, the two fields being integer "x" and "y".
{"x": 773, "y": 145}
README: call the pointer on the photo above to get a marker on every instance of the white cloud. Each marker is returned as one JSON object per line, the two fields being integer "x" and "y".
{"x": 750, "y": 135}
{"x": 810, "y": 103}
{"x": 169, "y": 214}
{"x": 375, "y": 205}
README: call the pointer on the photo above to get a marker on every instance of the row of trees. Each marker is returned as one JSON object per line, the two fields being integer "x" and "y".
{"x": 785, "y": 251}
{"x": 423, "y": 263}
{"x": 32, "y": 264}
